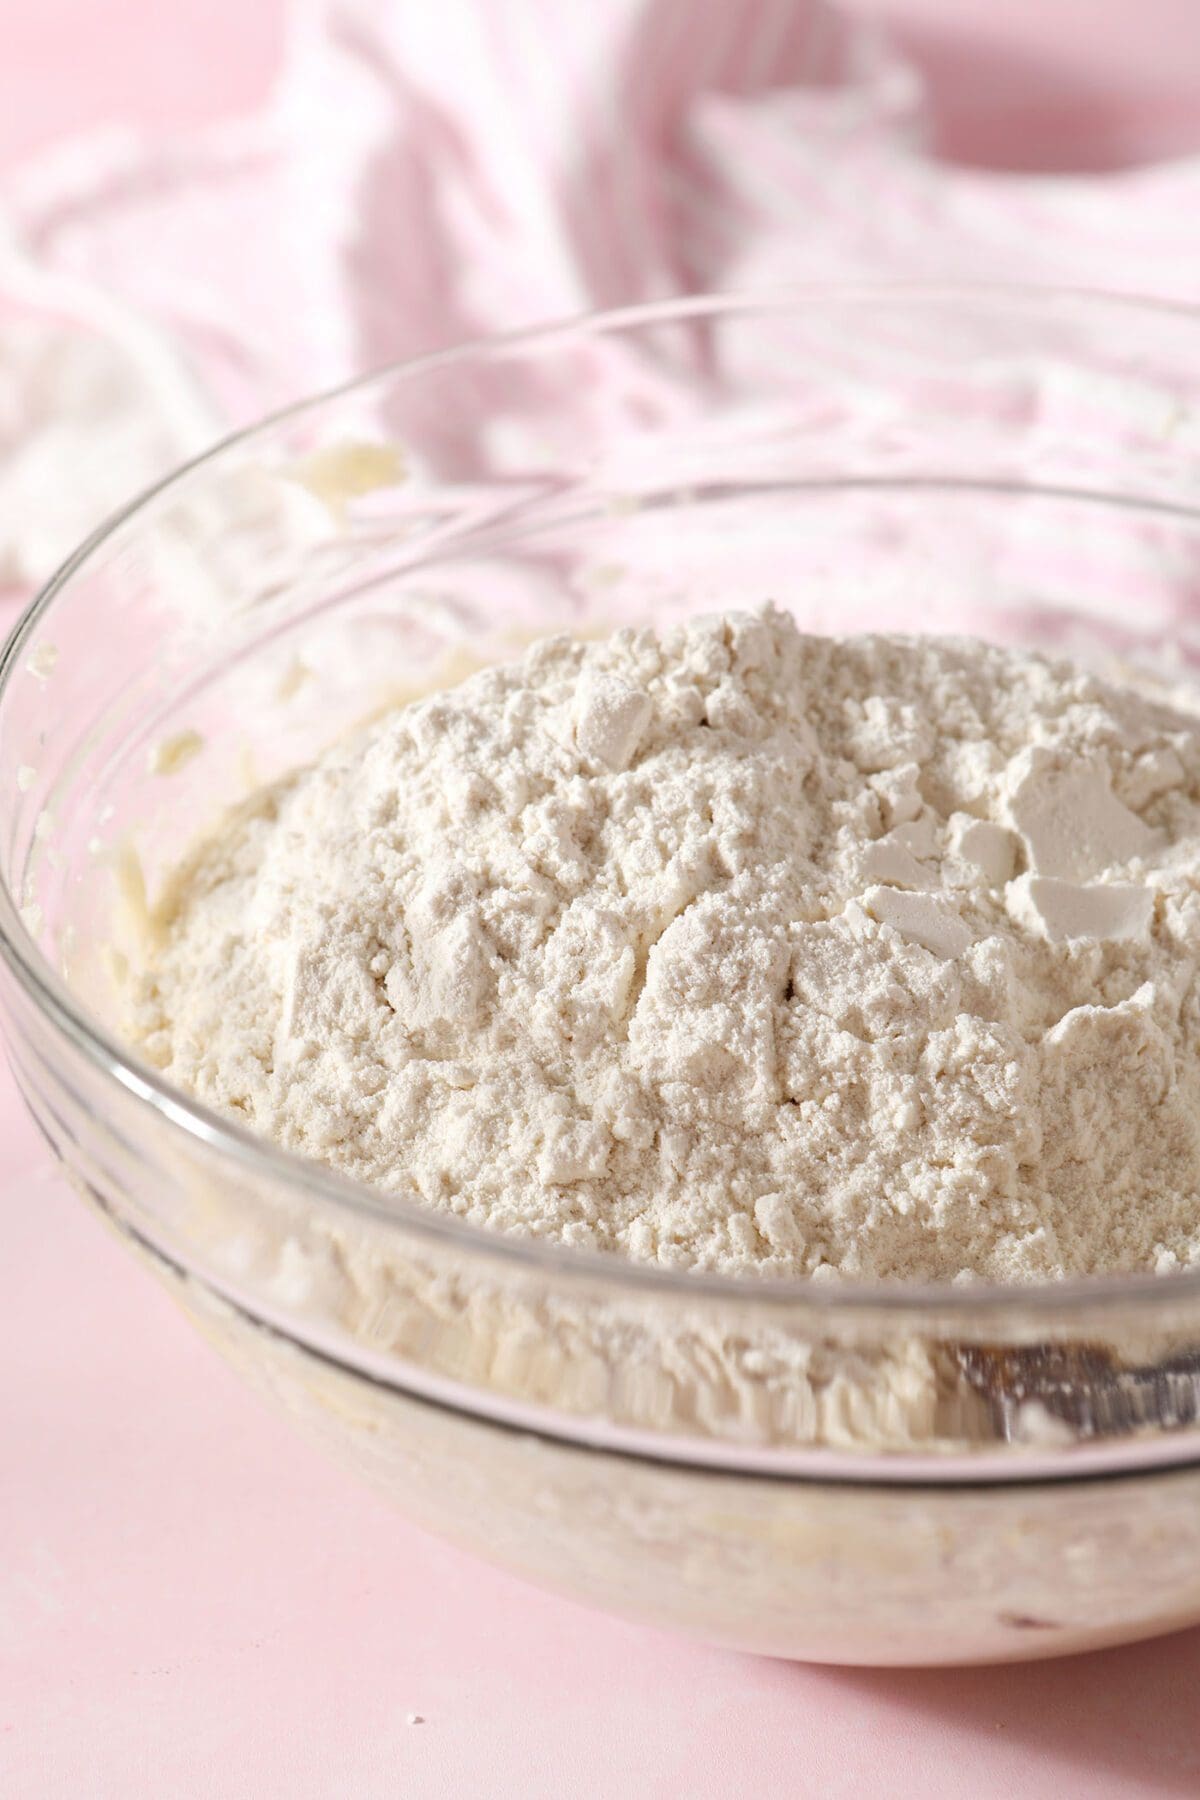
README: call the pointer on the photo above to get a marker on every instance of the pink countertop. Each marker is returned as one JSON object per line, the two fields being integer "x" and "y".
{"x": 192, "y": 1602}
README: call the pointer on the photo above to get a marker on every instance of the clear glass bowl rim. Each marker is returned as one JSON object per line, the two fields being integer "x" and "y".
{"x": 902, "y": 1303}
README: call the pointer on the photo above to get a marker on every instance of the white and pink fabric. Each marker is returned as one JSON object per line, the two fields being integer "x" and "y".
{"x": 428, "y": 173}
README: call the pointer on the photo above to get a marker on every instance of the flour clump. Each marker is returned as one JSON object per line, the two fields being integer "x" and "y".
{"x": 727, "y": 948}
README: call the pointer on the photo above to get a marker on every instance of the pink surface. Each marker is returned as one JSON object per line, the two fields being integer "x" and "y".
{"x": 192, "y": 1603}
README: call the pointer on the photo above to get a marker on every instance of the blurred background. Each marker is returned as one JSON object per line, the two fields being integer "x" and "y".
{"x": 1080, "y": 84}
{"x": 209, "y": 208}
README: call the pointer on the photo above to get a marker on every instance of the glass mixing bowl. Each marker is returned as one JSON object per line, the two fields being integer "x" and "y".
{"x": 846, "y": 1474}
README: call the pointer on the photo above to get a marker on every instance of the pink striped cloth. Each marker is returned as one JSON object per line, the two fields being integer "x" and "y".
{"x": 427, "y": 173}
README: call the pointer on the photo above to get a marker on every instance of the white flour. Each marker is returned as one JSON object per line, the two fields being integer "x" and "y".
{"x": 731, "y": 949}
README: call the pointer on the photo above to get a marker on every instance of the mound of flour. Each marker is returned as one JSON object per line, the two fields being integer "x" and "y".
{"x": 730, "y": 948}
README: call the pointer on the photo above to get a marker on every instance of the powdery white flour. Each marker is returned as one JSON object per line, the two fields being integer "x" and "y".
{"x": 730, "y": 948}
